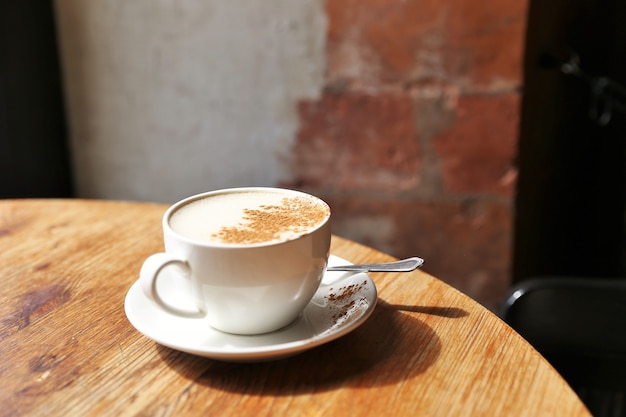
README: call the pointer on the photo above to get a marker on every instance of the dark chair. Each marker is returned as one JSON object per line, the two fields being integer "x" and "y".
{"x": 579, "y": 326}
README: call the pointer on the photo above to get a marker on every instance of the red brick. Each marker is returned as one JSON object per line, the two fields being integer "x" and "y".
{"x": 464, "y": 243}
{"x": 477, "y": 152}
{"x": 486, "y": 42}
{"x": 357, "y": 142}
{"x": 375, "y": 41}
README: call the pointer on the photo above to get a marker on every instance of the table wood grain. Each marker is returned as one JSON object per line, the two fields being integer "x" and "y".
{"x": 66, "y": 347}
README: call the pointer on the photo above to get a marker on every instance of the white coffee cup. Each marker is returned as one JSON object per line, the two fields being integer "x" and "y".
{"x": 243, "y": 278}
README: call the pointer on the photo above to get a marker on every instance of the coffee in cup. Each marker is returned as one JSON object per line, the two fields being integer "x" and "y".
{"x": 252, "y": 257}
{"x": 249, "y": 217}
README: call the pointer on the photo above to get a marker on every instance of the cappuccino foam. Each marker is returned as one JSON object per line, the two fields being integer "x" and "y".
{"x": 249, "y": 217}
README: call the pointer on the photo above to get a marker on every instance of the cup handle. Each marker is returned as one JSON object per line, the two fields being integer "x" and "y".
{"x": 149, "y": 274}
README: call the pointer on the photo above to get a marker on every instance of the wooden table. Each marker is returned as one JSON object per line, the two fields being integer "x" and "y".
{"x": 67, "y": 348}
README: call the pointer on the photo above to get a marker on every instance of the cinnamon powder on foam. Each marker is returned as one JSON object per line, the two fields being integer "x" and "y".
{"x": 293, "y": 217}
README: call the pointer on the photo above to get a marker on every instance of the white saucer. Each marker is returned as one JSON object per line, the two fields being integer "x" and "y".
{"x": 343, "y": 302}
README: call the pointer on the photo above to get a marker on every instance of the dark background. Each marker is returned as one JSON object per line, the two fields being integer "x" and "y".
{"x": 570, "y": 197}
{"x": 34, "y": 152}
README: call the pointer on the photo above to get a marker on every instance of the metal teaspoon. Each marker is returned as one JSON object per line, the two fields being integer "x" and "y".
{"x": 405, "y": 265}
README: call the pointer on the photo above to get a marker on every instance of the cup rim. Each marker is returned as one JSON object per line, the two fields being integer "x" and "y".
{"x": 174, "y": 207}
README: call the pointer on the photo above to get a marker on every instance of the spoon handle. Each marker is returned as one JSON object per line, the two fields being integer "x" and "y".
{"x": 405, "y": 265}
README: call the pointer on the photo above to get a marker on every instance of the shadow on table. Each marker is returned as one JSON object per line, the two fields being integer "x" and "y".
{"x": 386, "y": 349}
{"x": 449, "y": 312}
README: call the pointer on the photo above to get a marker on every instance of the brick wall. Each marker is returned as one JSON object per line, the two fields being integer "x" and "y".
{"x": 413, "y": 141}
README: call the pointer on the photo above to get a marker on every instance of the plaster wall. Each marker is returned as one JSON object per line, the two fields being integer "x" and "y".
{"x": 169, "y": 98}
